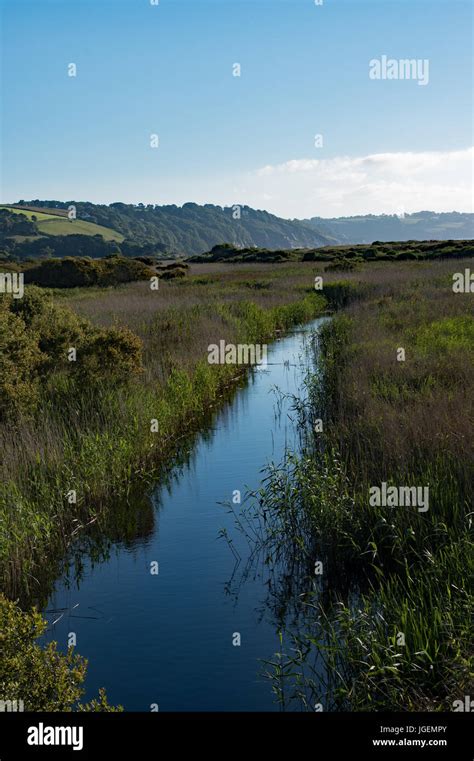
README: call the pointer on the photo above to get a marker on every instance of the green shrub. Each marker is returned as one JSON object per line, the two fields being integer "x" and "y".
{"x": 45, "y": 679}
{"x": 340, "y": 265}
{"x": 171, "y": 274}
{"x": 35, "y": 337}
{"x": 20, "y": 359}
{"x": 63, "y": 273}
{"x": 339, "y": 293}
{"x": 117, "y": 269}
{"x": 72, "y": 272}
{"x": 109, "y": 354}
{"x": 406, "y": 256}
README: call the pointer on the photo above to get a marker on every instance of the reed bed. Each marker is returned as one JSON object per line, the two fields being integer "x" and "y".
{"x": 98, "y": 441}
{"x": 387, "y": 625}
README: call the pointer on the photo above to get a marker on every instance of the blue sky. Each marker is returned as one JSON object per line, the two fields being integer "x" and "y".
{"x": 168, "y": 70}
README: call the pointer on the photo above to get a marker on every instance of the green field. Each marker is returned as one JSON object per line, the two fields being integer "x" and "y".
{"x": 58, "y": 224}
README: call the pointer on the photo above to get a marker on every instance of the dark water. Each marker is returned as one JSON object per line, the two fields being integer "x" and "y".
{"x": 168, "y": 638}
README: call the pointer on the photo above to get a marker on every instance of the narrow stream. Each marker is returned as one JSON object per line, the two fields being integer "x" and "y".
{"x": 167, "y": 638}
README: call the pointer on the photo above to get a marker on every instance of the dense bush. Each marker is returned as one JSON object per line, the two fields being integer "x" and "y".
{"x": 406, "y": 256}
{"x": 172, "y": 274}
{"x": 71, "y": 272}
{"x": 340, "y": 265}
{"x": 45, "y": 679}
{"x": 399, "y": 250}
{"x": 341, "y": 292}
{"x": 20, "y": 358}
{"x": 36, "y": 335}
{"x": 150, "y": 261}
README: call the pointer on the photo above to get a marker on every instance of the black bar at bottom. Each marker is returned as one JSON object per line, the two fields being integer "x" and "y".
{"x": 141, "y": 735}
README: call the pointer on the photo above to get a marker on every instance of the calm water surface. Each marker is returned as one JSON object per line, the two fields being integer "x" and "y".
{"x": 167, "y": 638}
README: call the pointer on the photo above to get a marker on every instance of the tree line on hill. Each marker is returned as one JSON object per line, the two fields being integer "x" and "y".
{"x": 191, "y": 228}
{"x": 423, "y": 225}
{"x": 170, "y": 231}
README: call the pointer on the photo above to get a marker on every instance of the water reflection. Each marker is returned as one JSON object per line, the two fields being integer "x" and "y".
{"x": 168, "y": 638}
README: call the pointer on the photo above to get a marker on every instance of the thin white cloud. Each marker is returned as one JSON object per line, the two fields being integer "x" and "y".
{"x": 377, "y": 184}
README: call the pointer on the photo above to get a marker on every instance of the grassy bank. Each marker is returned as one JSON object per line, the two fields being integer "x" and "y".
{"x": 77, "y": 436}
{"x": 390, "y": 625}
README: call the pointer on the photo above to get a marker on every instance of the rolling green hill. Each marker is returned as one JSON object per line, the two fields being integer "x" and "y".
{"x": 50, "y": 223}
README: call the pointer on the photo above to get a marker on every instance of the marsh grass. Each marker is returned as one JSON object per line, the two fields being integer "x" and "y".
{"x": 98, "y": 441}
{"x": 388, "y": 626}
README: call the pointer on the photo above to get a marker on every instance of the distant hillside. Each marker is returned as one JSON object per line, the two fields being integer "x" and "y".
{"x": 50, "y": 223}
{"x": 423, "y": 225}
{"x": 193, "y": 229}
{"x": 177, "y": 231}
